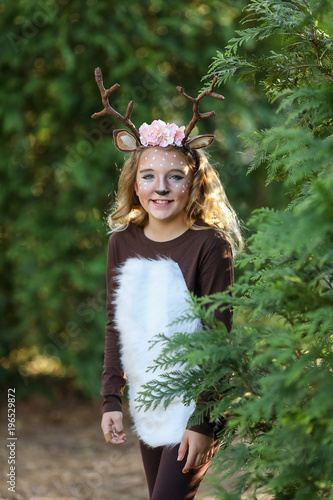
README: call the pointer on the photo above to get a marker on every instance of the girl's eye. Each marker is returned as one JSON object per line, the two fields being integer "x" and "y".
{"x": 148, "y": 177}
{"x": 176, "y": 177}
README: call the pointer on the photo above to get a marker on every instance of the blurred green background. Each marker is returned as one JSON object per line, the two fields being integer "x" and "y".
{"x": 59, "y": 168}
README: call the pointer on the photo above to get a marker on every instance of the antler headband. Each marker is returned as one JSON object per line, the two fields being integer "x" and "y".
{"x": 158, "y": 133}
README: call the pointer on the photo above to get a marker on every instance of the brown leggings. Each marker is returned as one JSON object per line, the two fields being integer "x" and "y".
{"x": 164, "y": 474}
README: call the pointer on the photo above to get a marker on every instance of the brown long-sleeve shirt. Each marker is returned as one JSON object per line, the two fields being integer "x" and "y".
{"x": 205, "y": 260}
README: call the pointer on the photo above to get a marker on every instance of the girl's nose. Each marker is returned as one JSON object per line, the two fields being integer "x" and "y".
{"x": 162, "y": 192}
{"x": 162, "y": 186}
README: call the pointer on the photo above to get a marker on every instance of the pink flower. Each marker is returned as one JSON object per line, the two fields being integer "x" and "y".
{"x": 161, "y": 134}
{"x": 156, "y": 132}
{"x": 173, "y": 128}
{"x": 179, "y": 135}
{"x": 144, "y": 130}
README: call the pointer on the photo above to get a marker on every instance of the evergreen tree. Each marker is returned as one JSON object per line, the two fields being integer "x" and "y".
{"x": 273, "y": 374}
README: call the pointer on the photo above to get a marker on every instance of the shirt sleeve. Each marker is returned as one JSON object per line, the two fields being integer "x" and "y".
{"x": 215, "y": 275}
{"x": 113, "y": 377}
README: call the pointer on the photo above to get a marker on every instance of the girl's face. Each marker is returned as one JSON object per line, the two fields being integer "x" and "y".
{"x": 163, "y": 182}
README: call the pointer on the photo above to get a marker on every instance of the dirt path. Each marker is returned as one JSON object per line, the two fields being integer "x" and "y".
{"x": 61, "y": 454}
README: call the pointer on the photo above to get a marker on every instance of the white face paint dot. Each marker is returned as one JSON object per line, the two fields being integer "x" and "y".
{"x": 163, "y": 159}
{"x": 181, "y": 162}
{"x": 182, "y": 190}
{"x": 174, "y": 156}
{"x": 166, "y": 153}
{"x": 153, "y": 157}
{"x": 146, "y": 158}
{"x": 155, "y": 151}
{"x": 171, "y": 163}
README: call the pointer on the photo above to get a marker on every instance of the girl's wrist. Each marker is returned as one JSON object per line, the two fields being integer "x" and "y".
{"x": 112, "y": 403}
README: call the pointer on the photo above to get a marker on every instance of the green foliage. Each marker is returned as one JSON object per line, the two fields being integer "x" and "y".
{"x": 305, "y": 53}
{"x": 273, "y": 374}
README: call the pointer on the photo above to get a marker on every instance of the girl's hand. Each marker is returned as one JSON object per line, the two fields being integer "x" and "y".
{"x": 201, "y": 448}
{"x": 112, "y": 427}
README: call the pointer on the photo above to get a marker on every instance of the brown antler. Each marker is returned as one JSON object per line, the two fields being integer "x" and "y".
{"x": 196, "y": 115}
{"x": 108, "y": 110}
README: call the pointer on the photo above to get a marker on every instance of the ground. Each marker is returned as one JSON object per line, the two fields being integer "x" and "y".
{"x": 60, "y": 453}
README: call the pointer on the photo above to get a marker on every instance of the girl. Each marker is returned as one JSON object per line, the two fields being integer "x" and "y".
{"x": 173, "y": 232}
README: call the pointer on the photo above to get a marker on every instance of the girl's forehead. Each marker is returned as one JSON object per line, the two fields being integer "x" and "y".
{"x": 157, "y": 156}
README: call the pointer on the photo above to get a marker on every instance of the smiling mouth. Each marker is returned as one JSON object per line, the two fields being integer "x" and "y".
{"x": 162, "y": 202}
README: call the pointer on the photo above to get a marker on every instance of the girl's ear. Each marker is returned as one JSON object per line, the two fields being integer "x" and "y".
{"x": 125, "y": 141}
{"x": 200, "y": 141}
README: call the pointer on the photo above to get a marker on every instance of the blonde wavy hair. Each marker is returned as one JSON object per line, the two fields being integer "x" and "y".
{"x": 207, "y": 199}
